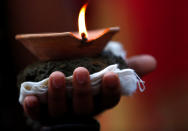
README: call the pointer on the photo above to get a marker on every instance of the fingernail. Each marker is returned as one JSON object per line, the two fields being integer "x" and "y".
{"x": 31, "y": 102}
{"x": 111, "y": 81}
{"x": 56, "y": 83}
{"x": 81, "y": 77}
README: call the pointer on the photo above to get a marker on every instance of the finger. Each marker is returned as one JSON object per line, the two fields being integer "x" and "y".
{"x": 142, "y": 64}
{"x": 57, "y": 94}
{"x": 32, "y": 107}
{"x": 82, "y": 96}
{"x": 110, "y": 90}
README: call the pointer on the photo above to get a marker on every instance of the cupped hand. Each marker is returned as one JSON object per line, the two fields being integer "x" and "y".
{"x": 83, "y": 103}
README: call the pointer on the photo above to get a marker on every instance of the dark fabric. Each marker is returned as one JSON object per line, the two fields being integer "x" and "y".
{"x": 79, "y": 124}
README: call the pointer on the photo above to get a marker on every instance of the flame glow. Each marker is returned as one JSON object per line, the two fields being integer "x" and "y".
{"x": 81, "y": 21}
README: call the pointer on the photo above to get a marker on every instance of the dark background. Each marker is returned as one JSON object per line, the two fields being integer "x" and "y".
{"x": 11, "y": 114}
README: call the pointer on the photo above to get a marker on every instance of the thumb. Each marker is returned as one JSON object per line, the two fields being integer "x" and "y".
{"x": 142, "y": 64}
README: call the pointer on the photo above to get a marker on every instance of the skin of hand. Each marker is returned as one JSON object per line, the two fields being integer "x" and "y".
{"x": 83, "y": 103}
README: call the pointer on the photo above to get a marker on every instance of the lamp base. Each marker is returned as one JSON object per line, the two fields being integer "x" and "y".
{"x": 41, "y": 70}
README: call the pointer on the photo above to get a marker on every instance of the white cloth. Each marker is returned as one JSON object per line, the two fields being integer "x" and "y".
{"x": 116, "y": 48}
{"x": 128, "y": 80}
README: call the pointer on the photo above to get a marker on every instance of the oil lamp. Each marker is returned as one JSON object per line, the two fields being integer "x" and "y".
{"x": 58, "y": 46}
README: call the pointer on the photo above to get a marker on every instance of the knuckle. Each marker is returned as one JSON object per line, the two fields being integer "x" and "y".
{"x": 82, "y": 92}
{"x": 55, "y": 98}
{"x": 113, "y": 102}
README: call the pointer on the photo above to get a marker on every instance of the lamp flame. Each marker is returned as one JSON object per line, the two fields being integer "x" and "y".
{"x": 81, "y": 22}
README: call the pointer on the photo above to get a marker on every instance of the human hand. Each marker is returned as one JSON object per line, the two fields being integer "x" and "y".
{"x": 83, "y": 103}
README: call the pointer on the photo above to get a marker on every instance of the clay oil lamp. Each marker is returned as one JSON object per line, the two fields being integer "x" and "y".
{"x": 58, "y": 46}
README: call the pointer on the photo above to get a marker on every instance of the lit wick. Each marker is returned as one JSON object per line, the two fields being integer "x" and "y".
{"x": 82, "y": 25}
{"x": 84, "y": 38}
